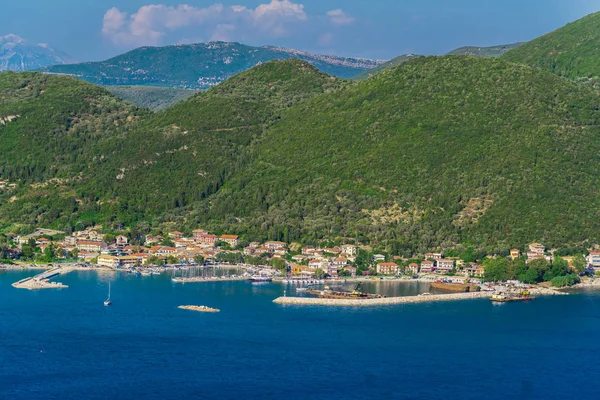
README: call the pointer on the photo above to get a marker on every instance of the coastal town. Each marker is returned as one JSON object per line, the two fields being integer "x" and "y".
{"x": 95, "y": 248}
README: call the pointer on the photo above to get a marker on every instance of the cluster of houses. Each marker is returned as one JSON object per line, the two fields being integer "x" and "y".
{"x": 89, "y": 245}
{"x": 433, "y": 263}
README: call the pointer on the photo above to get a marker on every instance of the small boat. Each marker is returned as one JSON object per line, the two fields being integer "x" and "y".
{"x": 108, "y": 301}
{"x": 260, "y": 279}
{"x": 504, "y": 298}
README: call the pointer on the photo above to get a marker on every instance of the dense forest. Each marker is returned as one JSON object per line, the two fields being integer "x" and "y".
{"x": 571, "y": 51}
{"x": 448, "y": 153}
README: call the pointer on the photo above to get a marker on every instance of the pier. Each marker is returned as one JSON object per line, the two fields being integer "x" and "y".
{"x": 311, "y": 301}
{"x": 42, "y": 281}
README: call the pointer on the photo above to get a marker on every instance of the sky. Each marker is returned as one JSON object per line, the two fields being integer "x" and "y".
{"x": 90, "y": 30}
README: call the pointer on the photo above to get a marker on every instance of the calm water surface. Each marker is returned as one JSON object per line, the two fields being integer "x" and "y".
{"x": 65, "y": 344}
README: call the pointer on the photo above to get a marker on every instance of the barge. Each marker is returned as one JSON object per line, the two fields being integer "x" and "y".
{"x": 455, "y": 287}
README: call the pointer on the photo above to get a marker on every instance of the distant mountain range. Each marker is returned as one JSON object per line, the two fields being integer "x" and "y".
{"x": 16, "y": 54}
{"x": 199, "y": 66}
{"x": 389, "y": 64}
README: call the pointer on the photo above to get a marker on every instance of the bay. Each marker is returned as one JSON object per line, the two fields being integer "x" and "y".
{"x": 64, "y": 344}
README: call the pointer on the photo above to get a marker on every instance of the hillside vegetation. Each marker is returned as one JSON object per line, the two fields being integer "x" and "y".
{"x": 485, "y": 52}
{"x": 571, "y": 51}
{"x": 176, "y": 157}
{"x": 435, "y": 152}
{"x": 152, "y": 97}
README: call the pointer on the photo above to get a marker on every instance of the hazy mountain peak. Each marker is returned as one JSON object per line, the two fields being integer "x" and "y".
{"x": 16, "y": 54}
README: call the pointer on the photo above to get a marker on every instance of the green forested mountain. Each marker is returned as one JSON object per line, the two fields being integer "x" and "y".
{"x": 436, "y": 152}
{"x": 571, "y": 51}
{"x": 486, "y": 52}
{"x": 50, "y": 125}
{"x": 152, "y": 97}
{"x": 199, "y": 66}
{"x": 169, "y": 159}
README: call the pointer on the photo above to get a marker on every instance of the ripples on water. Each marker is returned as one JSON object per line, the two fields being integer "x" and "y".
{"x": 65, "y": 344}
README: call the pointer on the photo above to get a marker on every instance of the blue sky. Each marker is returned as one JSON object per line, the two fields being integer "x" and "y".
{"x": 98, "y": 29}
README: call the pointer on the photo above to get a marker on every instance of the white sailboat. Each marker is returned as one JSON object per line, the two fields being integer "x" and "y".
{"x": 108, "y": 301}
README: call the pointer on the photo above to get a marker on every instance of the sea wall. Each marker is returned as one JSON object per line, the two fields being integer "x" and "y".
{"x": 311, "y": 301}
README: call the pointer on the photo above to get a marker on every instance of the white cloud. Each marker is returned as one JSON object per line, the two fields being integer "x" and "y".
{"x": 340, "y": 17}
{"x": 153, "y": 24}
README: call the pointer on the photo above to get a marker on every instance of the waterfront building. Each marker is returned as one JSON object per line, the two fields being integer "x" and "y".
{"x": 108, "y": 261}
{"x": 474, "y": 269}
{"x": 427, "y": 266}
{"x": 387, "y": 268}
{"x": 593, "y": 259}
{"x": 444, "y": 266}
{"x": 413, "y": 268}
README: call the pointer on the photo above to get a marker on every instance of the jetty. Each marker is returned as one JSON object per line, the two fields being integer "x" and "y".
{"x": 42, "y": 281}
{"x": 384, "y": 301}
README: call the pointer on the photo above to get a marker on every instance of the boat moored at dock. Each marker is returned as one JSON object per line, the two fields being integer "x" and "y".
{"x": 511, "y": 297}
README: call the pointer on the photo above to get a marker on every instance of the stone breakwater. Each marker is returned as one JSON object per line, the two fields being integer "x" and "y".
{"x": 311, "y": 301}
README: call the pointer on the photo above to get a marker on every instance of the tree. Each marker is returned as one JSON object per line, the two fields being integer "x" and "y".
{"x": 4, "y": 247}
{"x": 199, "y": 259}
{"x": 496, "y": 269}
{"x": 342, "y": 273}
{"x": 530, "y": 276}
{"x": 559, "y": 268}
{"x": 50, "y": 252}
{"x": 579, "y": 263}
{"x": 542, "y": 267}
{"x": 319, "y": 273}
{"x": 278, "y": 264}
{"x": 171, "y": 259}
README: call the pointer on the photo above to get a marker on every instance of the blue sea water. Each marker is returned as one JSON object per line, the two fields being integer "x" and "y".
{"x": 64, "y": 344}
